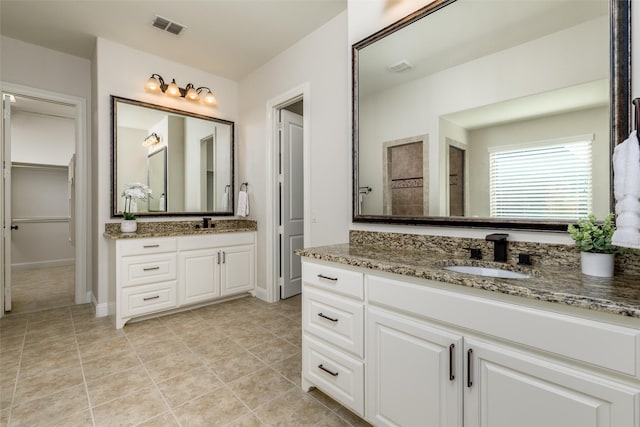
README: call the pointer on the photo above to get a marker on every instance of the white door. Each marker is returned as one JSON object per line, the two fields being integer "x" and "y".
{"x": 507, "y": 388}
{"x": 6, "y": 200}
{"x": 414, "y": 372}
{"x": 237, "y": 270}
{"x": 200, "y": 274}
{"x": 291, "y": 203}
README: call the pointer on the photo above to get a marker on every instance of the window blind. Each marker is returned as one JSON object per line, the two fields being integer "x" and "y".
{"x": 550, "y": 181}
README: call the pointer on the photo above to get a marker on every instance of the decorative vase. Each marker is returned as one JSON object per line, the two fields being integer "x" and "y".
{"x": 128, "y": 226}
{"x": 594, "y": 264}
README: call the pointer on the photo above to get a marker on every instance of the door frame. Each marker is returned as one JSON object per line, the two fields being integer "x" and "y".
{"x": 273, "y": 105}
{"x": 82, "y": 179}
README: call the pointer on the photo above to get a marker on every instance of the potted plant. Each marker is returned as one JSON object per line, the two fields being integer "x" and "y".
{"x": 597, "y": 254}
{"x": 132, "y": 193}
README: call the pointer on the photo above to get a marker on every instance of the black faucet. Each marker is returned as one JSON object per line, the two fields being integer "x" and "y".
{"x": 206, "y": 222}
{"x": 500, "y": 246}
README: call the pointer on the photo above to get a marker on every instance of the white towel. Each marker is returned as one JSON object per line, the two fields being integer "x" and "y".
{"x": 243, "y": 204}
{"x": 626, "y": 190}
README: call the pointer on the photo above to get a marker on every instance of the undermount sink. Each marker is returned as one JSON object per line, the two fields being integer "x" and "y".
{"x": 487, "y": 272}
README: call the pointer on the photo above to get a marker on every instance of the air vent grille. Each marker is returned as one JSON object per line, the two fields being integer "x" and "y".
{"x": 168, "y": 25}
{"x": 401, "y": 66}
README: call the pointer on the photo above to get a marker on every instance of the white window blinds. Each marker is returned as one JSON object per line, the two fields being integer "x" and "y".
{"x": 549, "y": 180}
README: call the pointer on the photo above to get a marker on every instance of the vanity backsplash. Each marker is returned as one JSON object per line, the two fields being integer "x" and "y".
{"x": 185, "y": 227}
{"x": 542, "y": 254}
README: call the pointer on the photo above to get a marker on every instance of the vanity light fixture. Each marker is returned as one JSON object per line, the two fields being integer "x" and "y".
{"x": 151, "y": 140}
{"x": 156, "y": 84}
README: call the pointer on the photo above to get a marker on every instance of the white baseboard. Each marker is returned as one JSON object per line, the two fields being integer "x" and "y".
{"x": 102, "y": 310}
{"x": 42, "y": 264}
{"x": 261, "y": 293}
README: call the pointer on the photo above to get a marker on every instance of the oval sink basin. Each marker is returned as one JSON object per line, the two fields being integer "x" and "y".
{"x": 487, "y": 272}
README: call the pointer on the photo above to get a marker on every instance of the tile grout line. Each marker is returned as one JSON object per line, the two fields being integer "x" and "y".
{"x": 17, "y": 376}
{"x": 84, "y": 378}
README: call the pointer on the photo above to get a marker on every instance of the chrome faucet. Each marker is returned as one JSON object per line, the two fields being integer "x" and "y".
{"x": 499, "y": 246}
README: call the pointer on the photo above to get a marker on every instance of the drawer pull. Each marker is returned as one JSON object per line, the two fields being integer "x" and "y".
{"x": 469, "y": 357}
{"x": 451, "y": 351}
{"x": 150, "y": 298}
{"x": 327, "y": 317}
{"x": 333, "y": 374}
{"x": 151, "y": 246}
{"x": 151, "y": 268}
{"x": 333, "y": 279}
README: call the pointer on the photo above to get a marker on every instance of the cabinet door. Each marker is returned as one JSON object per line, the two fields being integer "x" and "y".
{"x": 509, "y": 388}
{"x": 414, "y": 372}
{"x": 238, "y": 269}
{"x": 199, "y": 275}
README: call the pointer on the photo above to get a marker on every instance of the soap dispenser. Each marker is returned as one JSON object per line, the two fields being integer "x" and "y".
{"x": 162, "y": 204}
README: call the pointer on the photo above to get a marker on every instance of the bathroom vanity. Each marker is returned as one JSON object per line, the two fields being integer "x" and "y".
{"x": 401, "y": 341}
{"x": 165, "y": 270}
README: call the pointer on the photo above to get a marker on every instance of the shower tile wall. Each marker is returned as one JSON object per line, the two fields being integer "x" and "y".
{"x": 407, "y": 192}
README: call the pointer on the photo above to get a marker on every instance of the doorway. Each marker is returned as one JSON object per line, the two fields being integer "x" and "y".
{"x": 41, "y": 215}
{"x": 456, "y": 181}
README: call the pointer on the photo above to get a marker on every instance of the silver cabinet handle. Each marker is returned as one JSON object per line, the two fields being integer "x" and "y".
{"x": 452, "y": 348}
{"x": 150, "y": 298}
{"x": 333, "y": 279}
{"x": 327, "y": 317}
{"x": 218, "y": 258}
{"x": 151, "y": 246}
{"x": 151, "y": 268}
{"x": 469, "y": 357}
{"x": 333, "y": 374}
{"x": 224, "y": 257}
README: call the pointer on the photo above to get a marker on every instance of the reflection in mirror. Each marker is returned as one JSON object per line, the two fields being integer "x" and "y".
{"x": 186, "y": 159}
{"x": 500, "y": 122}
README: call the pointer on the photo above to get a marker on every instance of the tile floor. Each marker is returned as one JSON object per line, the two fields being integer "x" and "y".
{"x": 42, "y": 288}
{"x": 231, "y": 364}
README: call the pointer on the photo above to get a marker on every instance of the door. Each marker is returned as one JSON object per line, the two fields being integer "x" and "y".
{"x": 456, "y": 181}
{"x": 200, "y": 274}
{"x": 508, "y": 388}
{"x": 6, "y": 200}
{"x": 237, "y": 269}
{"x": 414, "y": 372}
{"x": 291, "y": 203}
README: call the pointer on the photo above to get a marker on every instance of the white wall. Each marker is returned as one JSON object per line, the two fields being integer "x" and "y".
{"x": 122, "y": 71}
{"x": 321, "y": 60}
{"x": 36, "y": 138}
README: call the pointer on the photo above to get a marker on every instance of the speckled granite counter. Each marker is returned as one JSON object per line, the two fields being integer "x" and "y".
{"x": 179, "y": 228}
{"x": 618, "y": 295}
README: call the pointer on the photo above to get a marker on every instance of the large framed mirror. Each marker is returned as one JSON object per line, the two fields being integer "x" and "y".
{"x": 497, "y": 114}
{"x": 186, "y": 159}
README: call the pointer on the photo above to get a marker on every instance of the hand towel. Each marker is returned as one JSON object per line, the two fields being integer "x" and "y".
{"x": 225, "y": 200}
{"x": 626, "y": 190}
{"x": 243, "y": 204}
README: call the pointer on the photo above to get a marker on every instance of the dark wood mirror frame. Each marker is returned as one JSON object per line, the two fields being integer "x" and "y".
{"x": 114, "y": 193}
{"x": 620, "y": 118}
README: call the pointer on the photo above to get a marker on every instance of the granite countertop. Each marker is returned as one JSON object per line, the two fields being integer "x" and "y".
{"x": 178, "y": 228}
{"x": 618, "y": 295}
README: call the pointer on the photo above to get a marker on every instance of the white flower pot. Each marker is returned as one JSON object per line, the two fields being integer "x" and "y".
{"x": 600, "y": 265}
{"x": 128, "y": 226}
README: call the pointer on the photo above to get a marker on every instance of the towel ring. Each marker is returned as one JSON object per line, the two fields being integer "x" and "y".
{"x": 245, "y": 185}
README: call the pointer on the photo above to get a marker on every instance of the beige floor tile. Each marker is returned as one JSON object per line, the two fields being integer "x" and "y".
{"x": 11, "y": 342}
{"x": 148, "y": 335}
{"x": 4, "y": 417}
{"x": 48, "y": 332}
{"x": 7, "y": 388}
{"x": 48, "y": 410}
{"x": 59, "y": 345}
{"x": 188, "y": 385}
{"x": 260, "y": 387}
{"x": 274, "y": 351}
{"x": 220, "y": 349}
{"x": 80, "y": 419}
{"x": 293, "y": 336}
{"x": 92, "y": 323}
{"x": 12, "y": 327}
{"x": 130, "y": 410}
{"x": 113, "y": 347}
{"x": 164, "y": 420}
{"x": 216, "y": 408}
{"x": 55, "y": 314}
{"x": 293, "y": 408}
{"x": 324, "y": 399}
{"x": 93, "y": 337}
{"x": 47, "y": 382}
{"x": 333, "y": 421}
{"x": 118, "y": 385}
{"x": 290, "y": 368}
{"x": 9, "y": 369}
{"x": 38, "y": 363}
{"x": 172, "y": 365}
{"x": 232, "y": 368}
{"x": 351, "y": 418}
{"x": 203, "y": 335}
{"x": 108, "y": 365}
{"x": 252, "y": 337}
{"x": 158, "y": 349}
{"x": 248, "y": 420}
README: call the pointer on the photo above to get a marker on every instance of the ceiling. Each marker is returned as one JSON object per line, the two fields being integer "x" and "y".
{"x": 229, "y": 38}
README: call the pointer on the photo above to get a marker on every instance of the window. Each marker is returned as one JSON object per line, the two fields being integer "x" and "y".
{"x": 546, "y": 180}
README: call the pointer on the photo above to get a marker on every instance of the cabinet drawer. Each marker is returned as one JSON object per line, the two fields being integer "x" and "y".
{"x": 146, "y": 246}
{"x": 335, "y": 319}
{"x": 140, "y": 270}
{"x": 335, "y": 373}
{"x": 148, "y": 298}
{"x": 338, "y": 280}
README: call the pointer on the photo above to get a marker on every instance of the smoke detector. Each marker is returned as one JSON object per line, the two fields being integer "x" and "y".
{"x": 401, "y": 66}
{"x": 168, "y": 25}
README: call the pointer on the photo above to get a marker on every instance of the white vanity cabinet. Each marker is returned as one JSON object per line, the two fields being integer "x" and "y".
{"x": 333, "y": 333}
{"x": 152, "y": 275}
{"x": 440, "y": 356}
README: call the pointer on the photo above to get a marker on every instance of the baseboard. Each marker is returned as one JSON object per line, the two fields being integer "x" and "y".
{"x": 102, "y": 310}
{"x": 42, "y": 264}
{"x": 261, "y": 293}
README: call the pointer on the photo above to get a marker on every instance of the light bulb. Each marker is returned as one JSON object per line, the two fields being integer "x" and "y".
{"x": 192, "y": 95}
{"x": 173, "y": 89}
{"x": 209, "y": 99}
{"x": 153, "y": 85}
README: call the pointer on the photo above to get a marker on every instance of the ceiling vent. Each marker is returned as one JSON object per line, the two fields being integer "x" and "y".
{"x": 401, "y": 66}
{"x": 168, "y": 25}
